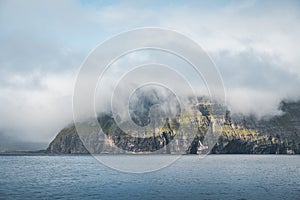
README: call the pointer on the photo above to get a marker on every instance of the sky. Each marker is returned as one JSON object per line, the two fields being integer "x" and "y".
{"x": 254, "y": 45}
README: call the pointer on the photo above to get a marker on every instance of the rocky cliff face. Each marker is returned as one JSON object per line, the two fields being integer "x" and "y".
{"x": 276, "y": 135}
{"x": 67, "y": 141}
{"x": 116, "y": 141}
{"x": 240, "y": 134}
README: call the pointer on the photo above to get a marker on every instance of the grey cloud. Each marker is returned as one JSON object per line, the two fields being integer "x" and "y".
{"x": 255, "y": 70}
{"x": 9, "y": 143}
{"x": 256, "y": 82}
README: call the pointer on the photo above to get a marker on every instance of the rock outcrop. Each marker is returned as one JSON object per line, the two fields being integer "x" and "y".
{"x": 240, "y": 135}
{"x": 276, "y": 135}
{"x": 67, "y": 141}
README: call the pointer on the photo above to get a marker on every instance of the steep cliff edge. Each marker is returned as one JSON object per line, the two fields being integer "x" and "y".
{"x": 240, "y": 135}
{"x": 67, "y": 141}
{"x": 276, "y": 135}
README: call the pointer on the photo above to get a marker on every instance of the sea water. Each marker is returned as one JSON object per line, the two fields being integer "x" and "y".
{"x": 213, "y": 177}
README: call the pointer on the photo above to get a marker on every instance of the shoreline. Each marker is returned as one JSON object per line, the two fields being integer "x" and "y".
{"x": 44, "y": 153}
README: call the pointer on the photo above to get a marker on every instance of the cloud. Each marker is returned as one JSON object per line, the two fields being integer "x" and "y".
{"x": 35, "y": 114}
{"x": 254, "y": 44}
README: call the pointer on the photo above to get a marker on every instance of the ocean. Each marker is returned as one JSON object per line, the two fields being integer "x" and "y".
{"x": 213, "y": 177}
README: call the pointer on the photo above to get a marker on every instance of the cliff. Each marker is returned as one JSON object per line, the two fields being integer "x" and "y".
{"x": 67, "y": 141}
{"x": 276, "y": 135}
{"x": 240, "y": 135}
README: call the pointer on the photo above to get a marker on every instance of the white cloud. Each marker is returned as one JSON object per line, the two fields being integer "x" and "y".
{"x": 36, "y": 114}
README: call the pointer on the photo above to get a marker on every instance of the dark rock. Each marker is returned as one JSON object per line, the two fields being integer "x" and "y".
{"x": 241, "y": 135}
